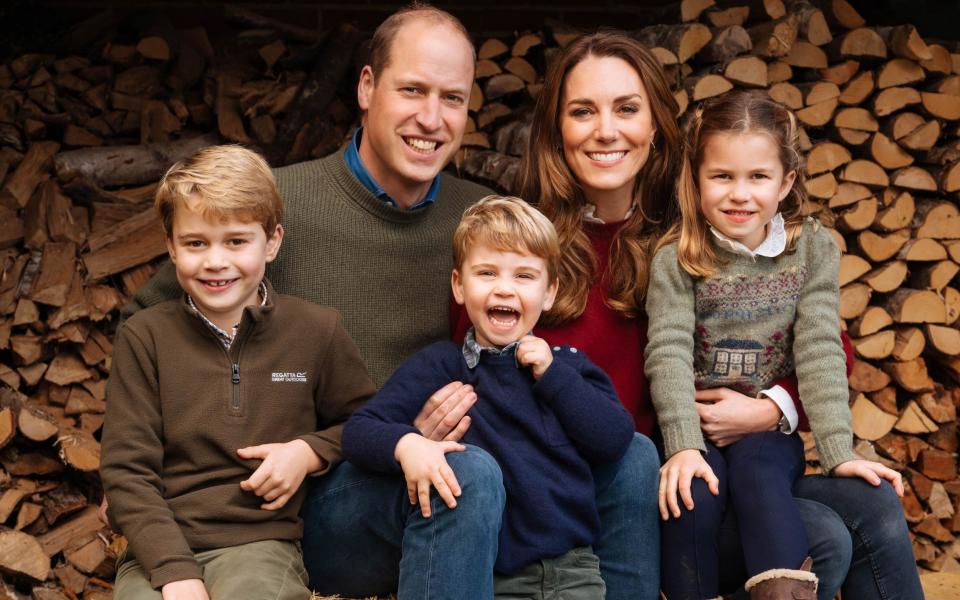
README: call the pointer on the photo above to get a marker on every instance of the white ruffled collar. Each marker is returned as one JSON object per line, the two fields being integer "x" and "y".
{"x": 772, "y": 245}
{"x": 590, "y": 214}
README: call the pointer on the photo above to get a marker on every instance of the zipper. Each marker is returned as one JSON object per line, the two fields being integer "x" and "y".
{"x": 235, "y": 379}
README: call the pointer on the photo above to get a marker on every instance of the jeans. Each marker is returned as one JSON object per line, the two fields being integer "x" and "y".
{"x": 858, "y": 540}
{"x": 362, "y": 537}
{"x": 756, "y": 477}
{"x": 629, "y": 544}
{"x": 882, "y": 564}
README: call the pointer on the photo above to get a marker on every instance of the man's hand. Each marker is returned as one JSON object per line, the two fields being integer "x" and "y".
{"x": 727, "y": 416}
{"x": 535, "y": 353}
{"x": 443, "y": 417}
{"x": 280, "y": 474}
{"x": 424, "y": 464}
{"x": 677, "y": 475}
{"x": 872, "y": 472}
{"x": 185, "y": 589}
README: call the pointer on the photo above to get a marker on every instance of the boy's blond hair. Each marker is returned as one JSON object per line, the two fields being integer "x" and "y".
{"x": 219, "y": 182}
{"x": 507, "y": 224}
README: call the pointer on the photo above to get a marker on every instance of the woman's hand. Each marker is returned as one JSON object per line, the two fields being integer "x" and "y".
{"x": 726, "y": 416}
{"x": 443, "y": 417}
{"x": 871, "y": 472}
{"x": 677, "y": 475}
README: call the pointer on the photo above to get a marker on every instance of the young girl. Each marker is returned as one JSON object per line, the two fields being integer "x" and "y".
{"x": 742, "y": 292}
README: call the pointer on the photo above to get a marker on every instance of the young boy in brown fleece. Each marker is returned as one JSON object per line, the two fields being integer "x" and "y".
{"x": 222, "y": 402}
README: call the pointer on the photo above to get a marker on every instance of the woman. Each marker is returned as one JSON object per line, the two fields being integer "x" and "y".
{"x": 601, "y": 162}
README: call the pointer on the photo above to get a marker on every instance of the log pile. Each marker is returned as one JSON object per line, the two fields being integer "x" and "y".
{"x": 86, "y": 131}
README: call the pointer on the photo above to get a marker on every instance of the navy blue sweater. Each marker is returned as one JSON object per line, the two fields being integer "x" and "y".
{"x": 544, "y": 435}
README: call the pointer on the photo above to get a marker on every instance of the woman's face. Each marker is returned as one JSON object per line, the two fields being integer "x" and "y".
{"x": 607, "y": 127}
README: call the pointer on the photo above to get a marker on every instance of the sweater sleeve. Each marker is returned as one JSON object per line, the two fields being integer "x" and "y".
{"x": 818, "y": 351}
{"x": 132, "y": 462}
{"x": 586, "y": 404}
{"x": 344, "y": 385}
{"x": 371, "y": 434}
{"x": 668, "y": 358}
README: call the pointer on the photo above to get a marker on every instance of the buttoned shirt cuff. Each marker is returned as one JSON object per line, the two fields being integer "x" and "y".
{"x": 784, "y": 402}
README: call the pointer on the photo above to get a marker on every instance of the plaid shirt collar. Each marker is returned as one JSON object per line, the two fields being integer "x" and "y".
{"x": 226, "y": 338}
{"x": 472, "y": 350}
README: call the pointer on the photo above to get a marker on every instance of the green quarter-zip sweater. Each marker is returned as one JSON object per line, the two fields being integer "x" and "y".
{"x": 180, "y": 405}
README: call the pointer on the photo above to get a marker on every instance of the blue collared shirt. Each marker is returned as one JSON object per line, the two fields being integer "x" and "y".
{"x": 355, "y": 164}
{"x": 472, "y": 350}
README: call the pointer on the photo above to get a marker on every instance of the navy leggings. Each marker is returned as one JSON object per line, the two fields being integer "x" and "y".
{"x": 756, "y": 475}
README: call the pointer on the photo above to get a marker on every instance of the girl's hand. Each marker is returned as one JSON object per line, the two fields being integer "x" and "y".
{"x": 424, "y": 465}
{"x": 871, "y": 472}
{"x": 677, "y": 474}
{"x": 535, "y": 353}
{"x": 726, "y": 416}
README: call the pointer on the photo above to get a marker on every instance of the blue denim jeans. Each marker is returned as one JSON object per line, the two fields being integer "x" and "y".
{"x": 858, "y": 540}
{"x": 629, "y": 544}
{"x": 882, "y": 564}
{"x": 362, "y": 537}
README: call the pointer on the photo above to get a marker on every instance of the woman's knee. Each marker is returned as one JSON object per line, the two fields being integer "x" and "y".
{"x": 635, "y": 474}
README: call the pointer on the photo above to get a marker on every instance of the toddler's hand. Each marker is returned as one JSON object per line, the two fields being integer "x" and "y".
{"x": 871, "y": 472}
{"x": 185, "y": 589}
{"x": 535, "y": 353}
{"x": 280, "y": 474}
{"x": 677, "y": 474}
{"x": 424, "y": 464}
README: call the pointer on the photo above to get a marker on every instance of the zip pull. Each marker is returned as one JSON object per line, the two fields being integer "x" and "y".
{"x": 236, "y": 373}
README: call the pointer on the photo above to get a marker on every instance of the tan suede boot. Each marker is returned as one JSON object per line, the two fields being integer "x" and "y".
{"x": 784, "y": 584}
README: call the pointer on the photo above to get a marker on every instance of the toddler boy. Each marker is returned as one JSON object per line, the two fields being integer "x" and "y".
{"x": 543, "y": 413}
{"x": 220, "y": 403}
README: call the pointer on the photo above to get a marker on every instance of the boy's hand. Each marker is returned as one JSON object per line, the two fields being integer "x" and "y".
{"x": 280, "y": 474}
{"x": 535, "y": 353}
{"x": 677, "y": 474}
{"x": 872, "y": 472}
{"x": 424, "y": 464}
{"x": 185, "y": 589}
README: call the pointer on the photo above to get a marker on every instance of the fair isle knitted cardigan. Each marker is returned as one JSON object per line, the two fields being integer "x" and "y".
{"x": 386, "y": 270}
{"x": 750, "y": 323}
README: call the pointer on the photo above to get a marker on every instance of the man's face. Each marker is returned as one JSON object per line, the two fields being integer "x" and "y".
{"x": 416, "y": 109}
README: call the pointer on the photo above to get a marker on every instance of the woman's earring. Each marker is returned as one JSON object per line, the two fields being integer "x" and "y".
{"x": 653, "y": 145}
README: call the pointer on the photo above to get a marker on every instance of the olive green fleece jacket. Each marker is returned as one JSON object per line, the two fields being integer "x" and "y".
{"x": 753, "y": 321}
{"x": 179, "y": 405}
{"x": 385, "y": 269}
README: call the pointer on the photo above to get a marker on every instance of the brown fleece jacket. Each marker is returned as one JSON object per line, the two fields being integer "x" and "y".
{"x": 180, "y": 405}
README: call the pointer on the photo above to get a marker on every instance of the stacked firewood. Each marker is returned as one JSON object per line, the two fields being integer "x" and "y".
{"x": 86, "y": 131}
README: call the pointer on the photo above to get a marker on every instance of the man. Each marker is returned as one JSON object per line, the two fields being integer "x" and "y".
{"x": 368, "y": 232}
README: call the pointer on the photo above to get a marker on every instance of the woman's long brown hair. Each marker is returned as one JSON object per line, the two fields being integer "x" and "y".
{"x": 547, "y": 181}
